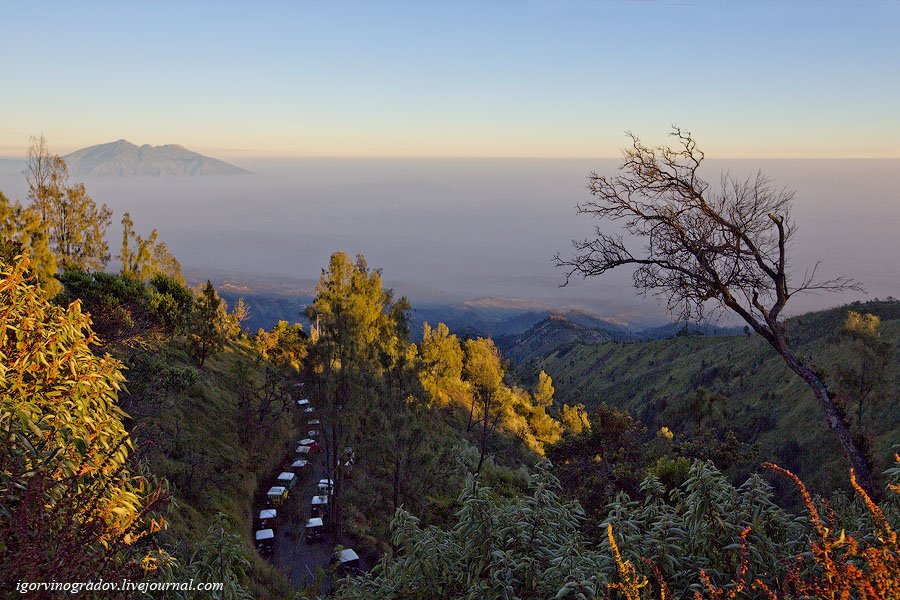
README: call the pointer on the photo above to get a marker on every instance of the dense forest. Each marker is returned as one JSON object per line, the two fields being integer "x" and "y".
{"x": 144, "y": 424}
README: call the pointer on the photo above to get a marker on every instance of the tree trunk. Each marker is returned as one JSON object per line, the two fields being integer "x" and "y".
{"x": 833, "y": 417}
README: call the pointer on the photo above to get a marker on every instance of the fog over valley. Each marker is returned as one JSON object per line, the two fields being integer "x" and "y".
{"x": 454, "y": 230}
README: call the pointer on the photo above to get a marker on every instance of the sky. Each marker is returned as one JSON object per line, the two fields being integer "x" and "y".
{"x": 561, "y": 78}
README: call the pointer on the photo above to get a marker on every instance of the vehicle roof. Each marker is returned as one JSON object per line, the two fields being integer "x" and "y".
{"x": 315, "y": 522}
{"x": 268, "y": 513}
{"x": 320, "y": 500}
{"x": 264, "y": 534}
{"x": 347, "y": 555}
{"x": 276, "y": 489}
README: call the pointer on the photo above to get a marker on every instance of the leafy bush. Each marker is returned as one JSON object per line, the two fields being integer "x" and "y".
{"x": 705, "y": 531}
{"x": 125, "y": 310}
{"x": 70, "y": 504}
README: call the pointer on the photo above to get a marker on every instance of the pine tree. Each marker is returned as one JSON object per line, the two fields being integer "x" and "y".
{"x": 148, "y": 256}
{"x": 76, "y": 226}
{"x": 574, "y": 418}
{"x": 441, "y": 365}
{"x": 359, "y": 330}
{"x": 208, "y": 316}
{"x": 543, "y": 394}
{"x": 483, "y": 369}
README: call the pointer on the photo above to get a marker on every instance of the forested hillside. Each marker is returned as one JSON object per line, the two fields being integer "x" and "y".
{"x": 548, "y": 334}
{"x": 743, "y": 385}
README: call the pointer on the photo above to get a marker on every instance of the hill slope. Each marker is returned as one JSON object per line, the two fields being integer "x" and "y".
{"x": 190, "y": 425}
{"x": 124, "y": 159}
{"x": 765, "y": 402}
{"x": 547, "y": 335}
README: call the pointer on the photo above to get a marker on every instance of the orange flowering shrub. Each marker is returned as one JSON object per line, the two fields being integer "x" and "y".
{"x": 840, "y": 566}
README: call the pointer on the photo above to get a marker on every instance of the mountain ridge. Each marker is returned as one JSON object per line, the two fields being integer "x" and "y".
{"x": 125, "y": 159}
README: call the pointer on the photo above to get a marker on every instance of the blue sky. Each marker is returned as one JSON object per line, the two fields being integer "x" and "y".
{"x": 543, "y": 78}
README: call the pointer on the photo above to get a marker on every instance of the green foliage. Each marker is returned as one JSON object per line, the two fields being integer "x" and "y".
{"x": 76, "y": 226}
{"x": 284, "y": 344}
{"x": 174, "y": 407}
{"x": 211, "y": 325}
{"x": 126, "y": 311}
{"x": 483, "y": 366}
{"x": 22, "y": 225}
{"x": 63, "y": 439}
{"x": 170, "y": 301}
{"x": 192, "y": 428}
{"x": 600, "y": 462}
{"x": 362, "y": 371}
{"x": 525, "y": 547}
{"x": 705, "y": 531}
{"x": 699, "y": 525}
{"x": 78, "y": 229}
{"x": 761, "y": 401}
{"x": 493, "y": 404}
{"x": 543, "y": 393}
{"x": 574, "y": 419}
{"x": 148, "y": 257}
{"x": 401, "y": 407}
{"x": 221, "y": 557}
{"x": 441, "y": 358}
{"x": 862, "y": 376}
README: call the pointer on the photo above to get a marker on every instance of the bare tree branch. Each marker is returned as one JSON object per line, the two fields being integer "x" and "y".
{"x": 724, "y": 248}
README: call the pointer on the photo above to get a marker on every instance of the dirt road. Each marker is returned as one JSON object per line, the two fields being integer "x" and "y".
{"x": 296, "y": 558}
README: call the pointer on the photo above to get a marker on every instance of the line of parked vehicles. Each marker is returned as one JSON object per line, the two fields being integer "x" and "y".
{"x": 346, "y": 560}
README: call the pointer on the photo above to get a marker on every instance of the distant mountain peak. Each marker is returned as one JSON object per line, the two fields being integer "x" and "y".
{"x": 125, "y": 159}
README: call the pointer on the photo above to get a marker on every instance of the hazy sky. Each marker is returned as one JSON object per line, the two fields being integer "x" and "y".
{"x": 541, "y": 78}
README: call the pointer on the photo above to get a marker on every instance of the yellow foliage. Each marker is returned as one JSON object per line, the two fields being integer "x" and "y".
{"x": 862, "y": 324}
{"x": 574, "y": 418}
{"x": 630, "y": 582}
{"x": 59, "y": 407}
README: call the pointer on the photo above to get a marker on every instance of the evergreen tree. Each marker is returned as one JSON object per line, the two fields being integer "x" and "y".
{"x": 862, "y": 378}
{"x": 543, "y": 394}
{"x": 357, "y": 328}
{"x": 365, "y": 377}
{"x": 441, "y": 365}
{"x": 147, "y": 257}
{"x": 484, "y": 371}
{"x": 574, "y": 418}
{"x": 76, "y": 226}
{"x": 208, "y": 320}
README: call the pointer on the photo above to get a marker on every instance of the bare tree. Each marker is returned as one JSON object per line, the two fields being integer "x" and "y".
{"x": 46, "y": 175}
{"x": 724, "y": 247}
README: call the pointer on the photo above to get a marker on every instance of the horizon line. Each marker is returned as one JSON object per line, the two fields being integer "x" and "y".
{"x": 501, "y": 157}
